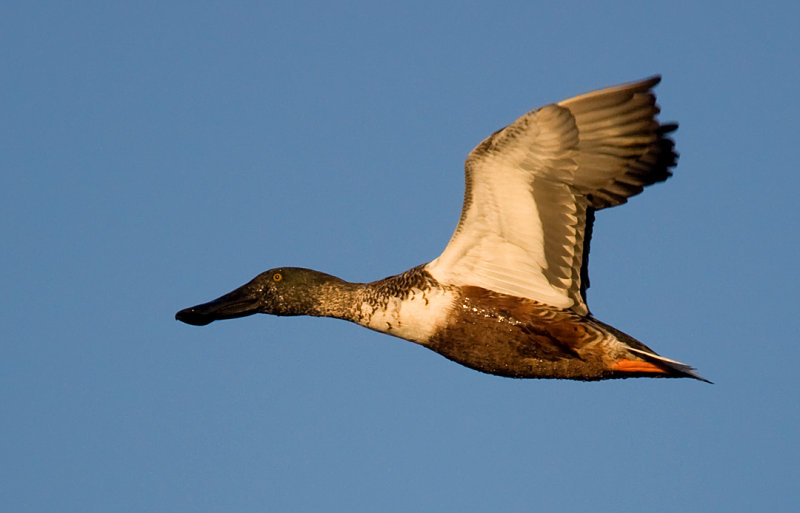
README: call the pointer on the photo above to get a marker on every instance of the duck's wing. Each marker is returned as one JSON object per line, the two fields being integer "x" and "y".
{"x": 533, "y": 186}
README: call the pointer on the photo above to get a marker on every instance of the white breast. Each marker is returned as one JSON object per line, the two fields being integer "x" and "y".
{"x": 414, "y": 318}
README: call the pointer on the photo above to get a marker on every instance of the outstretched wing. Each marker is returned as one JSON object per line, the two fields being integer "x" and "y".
{"x": 532, "y": 189}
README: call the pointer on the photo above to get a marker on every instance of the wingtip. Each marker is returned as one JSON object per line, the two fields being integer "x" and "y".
{"x": 652, "y": 80}
{"x": 627, "y": 88}
{"x": 667, "y": 128}
{"x": 646, "y": 83}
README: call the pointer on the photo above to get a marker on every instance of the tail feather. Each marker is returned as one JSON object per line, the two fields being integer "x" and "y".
{"x": 666, "y": 366}
{"x": 681, "y": 368}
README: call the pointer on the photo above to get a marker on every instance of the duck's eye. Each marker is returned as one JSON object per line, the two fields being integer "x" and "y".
{"x": 277, "y": 277}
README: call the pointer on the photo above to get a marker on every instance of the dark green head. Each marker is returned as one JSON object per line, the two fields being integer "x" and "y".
{"x": 280, "y": 291}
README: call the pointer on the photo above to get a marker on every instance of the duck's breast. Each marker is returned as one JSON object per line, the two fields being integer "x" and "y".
{"x": 416, "y": 315}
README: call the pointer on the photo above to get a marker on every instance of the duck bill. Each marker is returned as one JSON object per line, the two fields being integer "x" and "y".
{"x": 238, "y": 303}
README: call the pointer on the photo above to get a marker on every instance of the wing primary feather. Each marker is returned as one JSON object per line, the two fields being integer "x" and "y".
{"x": 587, "y": 240}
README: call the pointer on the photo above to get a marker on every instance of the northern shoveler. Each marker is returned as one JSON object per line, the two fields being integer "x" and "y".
{"x": 508, "y": 294}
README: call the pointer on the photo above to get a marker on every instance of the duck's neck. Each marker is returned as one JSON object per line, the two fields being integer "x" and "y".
{"x": 336, "y": 298}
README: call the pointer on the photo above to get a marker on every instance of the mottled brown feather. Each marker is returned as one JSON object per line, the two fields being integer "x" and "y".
{"x": 521, "y": 338}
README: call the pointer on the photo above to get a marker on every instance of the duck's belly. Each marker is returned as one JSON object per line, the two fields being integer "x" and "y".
{"x": 493, "y": 333}
{"x": 519, "y": 338}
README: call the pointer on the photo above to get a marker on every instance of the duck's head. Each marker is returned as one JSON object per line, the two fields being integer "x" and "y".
{"x": 280, "y": 291}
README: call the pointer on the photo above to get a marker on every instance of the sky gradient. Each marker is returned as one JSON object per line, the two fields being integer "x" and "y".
{"x": 156, "y": 155}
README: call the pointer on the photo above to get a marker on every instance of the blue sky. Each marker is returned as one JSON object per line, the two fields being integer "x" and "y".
{"x": 158, "y": 154}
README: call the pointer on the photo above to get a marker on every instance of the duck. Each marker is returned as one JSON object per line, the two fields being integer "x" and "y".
{"x": 507, "y": 296}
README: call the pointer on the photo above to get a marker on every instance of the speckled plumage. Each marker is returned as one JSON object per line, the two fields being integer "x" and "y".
{"x": 508, "y": 294}
{"x": 521, "y": 338}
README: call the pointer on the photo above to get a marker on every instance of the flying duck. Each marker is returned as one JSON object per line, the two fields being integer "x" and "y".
{"x": 508, "y": 294}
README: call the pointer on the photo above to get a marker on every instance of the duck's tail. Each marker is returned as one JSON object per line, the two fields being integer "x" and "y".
{"x": 645, "y": 362}
{"x": 658, "y": 364}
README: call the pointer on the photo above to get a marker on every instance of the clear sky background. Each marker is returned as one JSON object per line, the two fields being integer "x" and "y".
{"x": 158, "y": 154}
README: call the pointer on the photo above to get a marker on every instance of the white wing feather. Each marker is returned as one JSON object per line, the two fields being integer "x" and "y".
{"x": 529, "y": 186}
